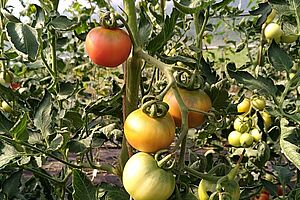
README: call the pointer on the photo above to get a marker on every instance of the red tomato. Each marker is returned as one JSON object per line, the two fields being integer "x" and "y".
{"x": 193, "y": 99}
{"x": 108, "y": 47}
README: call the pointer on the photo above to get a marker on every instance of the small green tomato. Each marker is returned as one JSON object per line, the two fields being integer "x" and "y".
{"x": 246, "y": 140}
{"x": 242, "y": 124}
{"x": 234, "y": 138}
{"x": 273, "y": 31}
{"x": 256, "y": 134}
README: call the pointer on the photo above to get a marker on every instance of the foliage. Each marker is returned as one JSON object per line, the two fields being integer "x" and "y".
{"x": 61, "y": 107}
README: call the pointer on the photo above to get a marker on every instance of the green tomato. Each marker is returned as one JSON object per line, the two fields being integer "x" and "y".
{"x": 258, "y": 102}
{"x": 143, "y": 179}
{"x": 273, "y": 31}
{"x": 6, "y": 107}
{"x": 256, "y": 134}
{"x": 246, "y": 140}
{"x": 234, "y": 138}
{"x": 242, "y": 124}
{"x": 6, "y": 78}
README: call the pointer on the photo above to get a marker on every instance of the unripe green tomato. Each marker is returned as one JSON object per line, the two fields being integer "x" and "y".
{"x": 6, "y": 107}
{"x": 271, "y": 16}
{"x": 242, "y": 124}
{"x": 143, "y": 179}
{"x": 256, "y": 134}
{"x": 273, "y": 31}
{"x": 244, "y": 106}
{"x": 267, "y": 119}
{"x": 246, "y": 140}
{"x": 289, "y": 38}
{"x": 7, "y": 78}
{"x": 258, "y": 102}
{"x": 234, "y": 138}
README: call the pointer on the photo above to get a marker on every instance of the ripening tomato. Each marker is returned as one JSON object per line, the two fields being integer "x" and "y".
{"x": 244, "y": 106}
{"x": 267, "y": 119}
{"x": 242, "y": 124}
{"x": 193, "y": 99}
{"x": 143, "y": 179}
{"x": 149, "y": 134}
{"x": 263, "y": 196}
{"x": 258, "y": 102}
{"x": 256, "y": 134}
{"x": 108, "y": 47}
{"x": 246, "y": 140}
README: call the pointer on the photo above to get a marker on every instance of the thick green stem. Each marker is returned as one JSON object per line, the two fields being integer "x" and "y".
{"x": 2, "y": 62}
{"x": 132, "y": 72}
{"x": 53, "y": 55}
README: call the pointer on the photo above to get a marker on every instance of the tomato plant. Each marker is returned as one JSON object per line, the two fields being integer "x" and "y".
{"x": 143, "y": 179}
{"x": 196, "y": 100}
{"x": 108, "y": 47}
{"x": 273, "y": 31}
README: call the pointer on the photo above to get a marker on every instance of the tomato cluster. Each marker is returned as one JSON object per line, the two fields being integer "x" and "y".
{"x": 143, "y": 177}
{"x": 245, "y": 131}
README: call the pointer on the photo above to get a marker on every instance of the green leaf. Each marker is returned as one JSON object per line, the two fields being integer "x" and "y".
{"x": 8, "y": 93}
{"x": 289, "y": 143}
{"x": 5, "y": 124}
{"x": 264, "y": 9}
{"x": 263, "y": 85}
{"x": 194, "y": 7}
{"x": 42, "y": 118}
{"x": 284, "y": 174}
{"x": 279, "y": 58}
{"x": 74, "y": 118}
{"x": 66, "y": 89}
{"x": 145, "y": 26}
{"x": 166, "y": 33}
{"x": 57, "y": 142}
{"x": 39, "y": 21}
{"x": 19, "y": 131}
{"x": 9, "y": 16}
{"x": 82, "y": 186}
{"x": 11, "y": 185}
{"x": 221, "y": 4}
{"x": 263, "y": 155}
{"x": 62, "y": 23}
{"x": 24, "y": 39}
{"x": 8, "y": 153}
{"x": 107, "y": 191}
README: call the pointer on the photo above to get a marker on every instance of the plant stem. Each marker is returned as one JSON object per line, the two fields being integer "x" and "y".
{"x": 53, "y": 57}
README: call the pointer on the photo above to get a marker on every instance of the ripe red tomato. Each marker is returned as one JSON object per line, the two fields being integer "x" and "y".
{"x": 193, "y": 99}
{"x": 263, "y": 196}
{"x": 108, "y": 47}
{"x": 149, "y": 134}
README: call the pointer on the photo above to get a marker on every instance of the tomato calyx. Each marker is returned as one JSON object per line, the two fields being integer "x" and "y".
{"x": 190, "y": 80}
{"x": 154, "y": 108}
{"x": 109, "y": 21}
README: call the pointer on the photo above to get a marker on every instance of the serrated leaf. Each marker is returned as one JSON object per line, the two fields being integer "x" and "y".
{"x": 284, "y": 174}
{"x": 166, "y": 33}
{"x": 262, "y": 84}
{"x": 9, "y": 16}
{"x": 62, "y": 23}
{"x": 11, "y": 185}
{"x": 289, "y": 143}
{"x": 19, "y": 131}
{"x": 24, "y": 38}
{"x": 42, "y": 118}
{"x": 190, "y": 9}
{"x": 5, "y": 124}
{"x": 57, "y": 142}
{"x": 8, "y": 153}
{"x": 82, "y": 186}
{"x": 66, "y": 89}
{"x": 279, "y": 59}
{"x": 145, "y": 27}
